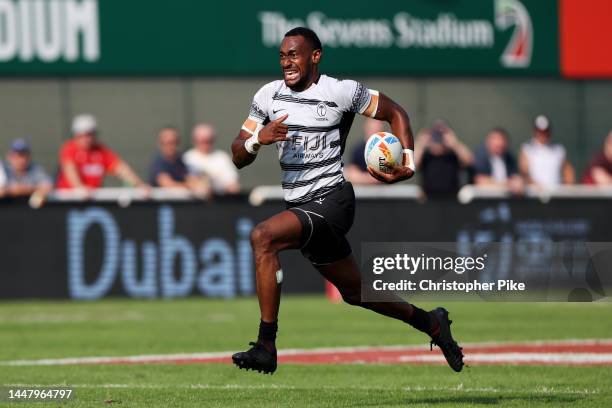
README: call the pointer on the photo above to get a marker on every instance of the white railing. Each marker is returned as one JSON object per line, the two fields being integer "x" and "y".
{"x": 124, "y": 196}
{"x": 261, "y": 194}
{"x": 472, "y": 192}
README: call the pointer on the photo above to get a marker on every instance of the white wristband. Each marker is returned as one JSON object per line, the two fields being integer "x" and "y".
{"x": 409, "y": 160}
{"x": 373, "y": 94}
{"x": 252, "y": 144}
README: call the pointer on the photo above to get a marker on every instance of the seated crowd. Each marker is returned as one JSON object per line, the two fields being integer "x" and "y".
{"x": 84, "y": 163}
{"x": 444, "y": 162}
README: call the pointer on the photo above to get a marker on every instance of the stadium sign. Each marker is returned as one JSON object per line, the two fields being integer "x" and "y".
{"x": 402, "y": 30}
{"x": 518, "y": 51}
{"x": 49, "y": 31}
{"x": 192, "y": 37}
{"x": 406, "y": 31}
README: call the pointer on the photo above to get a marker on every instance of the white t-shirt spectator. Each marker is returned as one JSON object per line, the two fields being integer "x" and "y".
{"x": 545, "y": 163}
{"x": 2, "y": 176}
{"x": 498, "y": 169}
{"x": 217, "y": 166}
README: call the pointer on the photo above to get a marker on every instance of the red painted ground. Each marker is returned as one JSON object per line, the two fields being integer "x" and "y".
{"x": 569, "y": 353}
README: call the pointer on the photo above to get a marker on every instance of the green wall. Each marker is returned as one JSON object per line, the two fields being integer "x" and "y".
{"x": 195, "y": 37}
{"x": 130, "y": 111}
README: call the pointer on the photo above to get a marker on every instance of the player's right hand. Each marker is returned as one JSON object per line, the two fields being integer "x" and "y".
{"x": 398, "y": 173}
{"x": 275, "y": 131}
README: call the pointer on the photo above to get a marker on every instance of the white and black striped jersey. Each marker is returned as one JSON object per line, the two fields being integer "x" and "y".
{"x": 319, "y": 122}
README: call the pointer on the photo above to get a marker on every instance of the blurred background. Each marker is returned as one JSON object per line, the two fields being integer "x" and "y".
{"x": 509, "y": 101}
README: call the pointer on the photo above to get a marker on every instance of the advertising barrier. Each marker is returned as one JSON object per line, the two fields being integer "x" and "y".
{"x": 176, "y": 249}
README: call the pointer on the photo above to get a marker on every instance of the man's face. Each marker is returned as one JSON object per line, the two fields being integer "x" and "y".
{"x": 204, "y": 139}
{"x": 298, "y": 60}
{"x": 542, "y": 136}
{"x": 496, "y": 143}
{"x": 19, "y": 160}
{"x": 169, "y": 143}
{"x": 608, "y": 146}
{"x": 86, "y": 140}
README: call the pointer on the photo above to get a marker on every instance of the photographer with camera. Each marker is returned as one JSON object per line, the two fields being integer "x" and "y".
{"x": 442, "y": 160}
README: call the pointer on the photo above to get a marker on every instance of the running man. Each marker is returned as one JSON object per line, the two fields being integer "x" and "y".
{"x": 308, "y": 116}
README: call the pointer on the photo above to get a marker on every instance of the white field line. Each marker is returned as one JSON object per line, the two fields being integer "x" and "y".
{"x": 288, "y": 352}
{"x": 124, "y": 359}
{"x": 458, "y": 388}
{"x": 518, "y": 358}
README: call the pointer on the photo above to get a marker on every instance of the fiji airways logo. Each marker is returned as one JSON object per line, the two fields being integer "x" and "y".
{"x": 404, "y": 30}
{"x": 518, "y": 51}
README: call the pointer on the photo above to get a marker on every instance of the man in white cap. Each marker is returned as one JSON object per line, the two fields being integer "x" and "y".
{"x": 542, "y": 163}
{"x": 84, "y": 162}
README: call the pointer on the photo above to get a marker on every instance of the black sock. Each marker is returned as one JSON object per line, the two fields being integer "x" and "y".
{"x": 267, "y": 334}
{"x": 423, "y": 321}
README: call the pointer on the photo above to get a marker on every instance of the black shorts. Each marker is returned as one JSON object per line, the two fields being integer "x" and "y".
{"x": 325, "y": 222}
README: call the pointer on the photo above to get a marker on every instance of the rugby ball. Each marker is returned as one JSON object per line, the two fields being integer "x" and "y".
{"x": 383, "y": 147}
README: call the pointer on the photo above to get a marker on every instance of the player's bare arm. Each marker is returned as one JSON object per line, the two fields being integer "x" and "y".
{"x": 251, "y": 138}
{"x": 384, "y": 108}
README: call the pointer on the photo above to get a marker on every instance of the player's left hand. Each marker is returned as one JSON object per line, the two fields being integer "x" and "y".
{"x": 398, "y": 173}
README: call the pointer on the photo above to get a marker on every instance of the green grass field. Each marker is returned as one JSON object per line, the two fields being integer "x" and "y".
{"x": 35, "y": 330}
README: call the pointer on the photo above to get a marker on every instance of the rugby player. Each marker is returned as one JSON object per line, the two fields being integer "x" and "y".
{"x": 308, "y": 116}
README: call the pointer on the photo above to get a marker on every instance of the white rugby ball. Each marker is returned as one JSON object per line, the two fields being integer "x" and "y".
{"x": 383, "y": 147}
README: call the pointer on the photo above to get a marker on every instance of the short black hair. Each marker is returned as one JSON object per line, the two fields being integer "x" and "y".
{"x": 501, "y": 131}
{"x": 169, "y": 127}
{"x": 308, "y": 34}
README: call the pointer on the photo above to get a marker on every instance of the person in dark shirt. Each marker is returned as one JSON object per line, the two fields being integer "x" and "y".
{"x": 168, "y": 169}
{"x": 599, "y": 169}
{"x": 495, "y": 165}
{"x": 441, "y": 157}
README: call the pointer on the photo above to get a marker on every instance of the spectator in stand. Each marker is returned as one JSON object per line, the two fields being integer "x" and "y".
{"x": 84, "y": 161}
{"x": 168, "y": 169}
{"x": 208, "y": 163}
{"x": 2, "y": 181}
{"x": 495, "y": 165}
{"x": 441, "y": 158}
{"x": 22, "y": 177}
{"x": 542, "y": 163}
{"x": 357, "y": 170}
{"x": 599, "y": 169}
